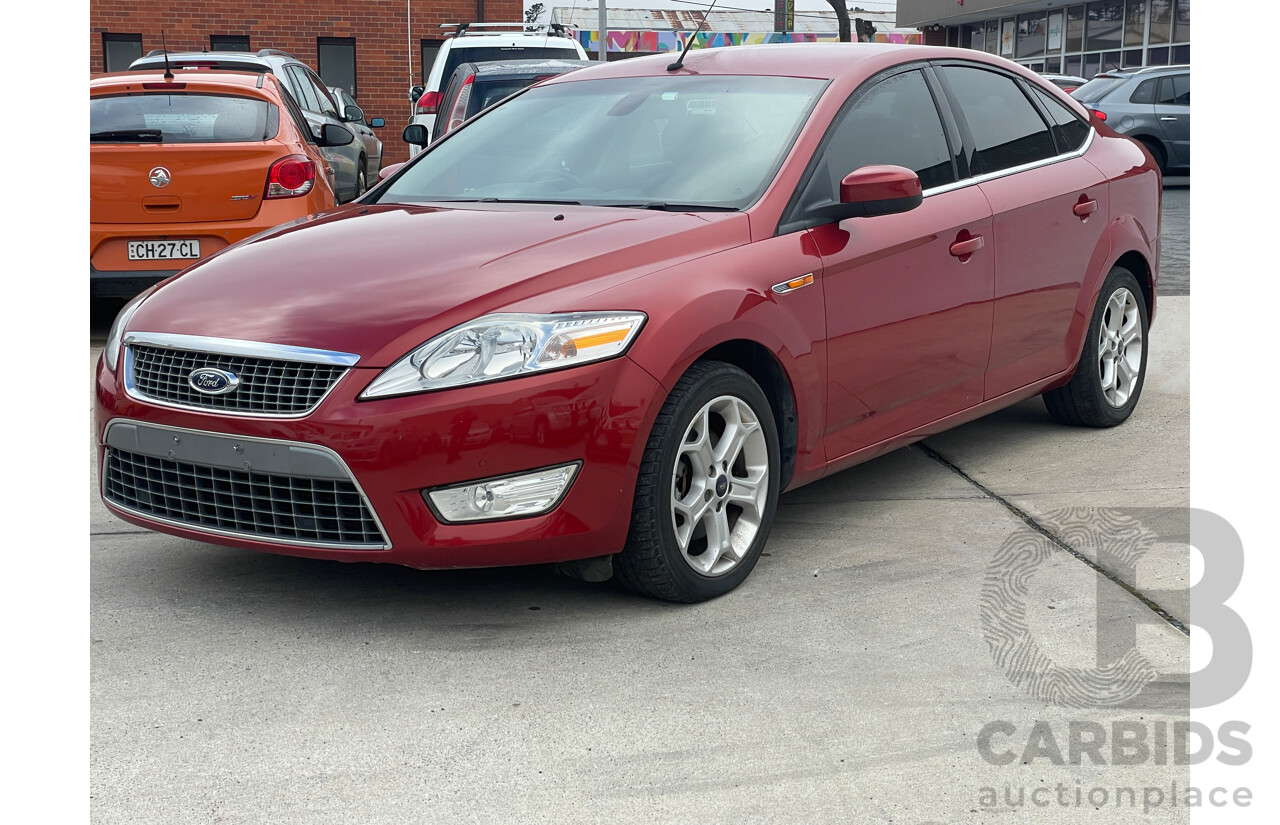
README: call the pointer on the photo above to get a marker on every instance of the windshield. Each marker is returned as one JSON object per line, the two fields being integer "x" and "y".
{"x": 711, "y": 142}
{"x": 1095, "y": 89}
{"x": 181, "y": 118}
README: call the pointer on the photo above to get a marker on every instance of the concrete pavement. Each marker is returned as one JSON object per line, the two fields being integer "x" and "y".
{"x": 848, "y": 680}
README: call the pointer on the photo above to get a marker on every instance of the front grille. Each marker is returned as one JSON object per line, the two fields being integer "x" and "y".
{"x": 267, "y": 386}
{"x": 255, "y": 505}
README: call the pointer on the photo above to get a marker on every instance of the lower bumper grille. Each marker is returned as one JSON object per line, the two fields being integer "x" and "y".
{"x": 273, "y": 507}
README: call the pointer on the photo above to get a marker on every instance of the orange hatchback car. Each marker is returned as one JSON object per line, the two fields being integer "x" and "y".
{"x": 180, "y": 169}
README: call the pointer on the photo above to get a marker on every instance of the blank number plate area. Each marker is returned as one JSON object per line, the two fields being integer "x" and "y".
{"x": 163, "y": 250}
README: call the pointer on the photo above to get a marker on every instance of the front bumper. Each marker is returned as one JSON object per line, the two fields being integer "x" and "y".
{"x": 395, "y": 448}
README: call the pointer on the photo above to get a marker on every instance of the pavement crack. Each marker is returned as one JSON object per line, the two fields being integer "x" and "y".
{"x": 1030, "y": 521}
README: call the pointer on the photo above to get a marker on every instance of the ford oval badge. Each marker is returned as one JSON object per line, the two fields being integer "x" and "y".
{"x": 211, "y": 381}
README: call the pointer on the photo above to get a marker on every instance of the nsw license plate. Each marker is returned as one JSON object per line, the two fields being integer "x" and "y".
{"x": 163, "y": 250}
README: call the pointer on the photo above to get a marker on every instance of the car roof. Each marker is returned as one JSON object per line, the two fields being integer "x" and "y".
{"x": 188, "y": 82}
{"x": 814, "y": 60}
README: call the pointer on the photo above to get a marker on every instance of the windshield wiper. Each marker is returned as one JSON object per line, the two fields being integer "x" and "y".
{"x": 127, "y": 134}
{"x": 667, "y": 206}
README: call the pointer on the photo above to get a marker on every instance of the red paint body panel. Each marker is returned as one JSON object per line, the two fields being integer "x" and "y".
{"x": 897, "y": 335}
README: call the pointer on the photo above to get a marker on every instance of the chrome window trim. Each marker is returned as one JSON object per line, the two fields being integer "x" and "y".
{"x": 377, "y": 520}
{"x": 1012, "y": 170}
{"x": 235, "y": 346}
{"x": 229, "y": 346}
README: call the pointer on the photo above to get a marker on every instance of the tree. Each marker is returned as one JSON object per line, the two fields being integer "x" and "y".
{"x": 842, "y": 16}
{"x": 532, "y": 14}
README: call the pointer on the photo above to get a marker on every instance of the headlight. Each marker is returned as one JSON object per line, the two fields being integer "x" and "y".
{"x": 112, "y": 349}
{"x": 502, "y": 346}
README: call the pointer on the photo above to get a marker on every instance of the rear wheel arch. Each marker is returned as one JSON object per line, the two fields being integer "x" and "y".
{"x": 1137, "y": 264}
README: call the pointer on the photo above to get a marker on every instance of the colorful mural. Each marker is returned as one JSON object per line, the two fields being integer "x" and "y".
{"x": 669, "y": 41}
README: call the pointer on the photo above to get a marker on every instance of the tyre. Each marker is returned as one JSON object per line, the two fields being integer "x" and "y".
{"x": 1157, "y": 152}
{"x": 361, "y": 185}
{"x": 1113, "y": 364}
{"x": 706, "y": 491}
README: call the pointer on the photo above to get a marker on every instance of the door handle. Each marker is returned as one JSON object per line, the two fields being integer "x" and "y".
{"x": 1167, "y": 119}
{"x": 963, "y": 247}
{"x": 1084, "y": 209}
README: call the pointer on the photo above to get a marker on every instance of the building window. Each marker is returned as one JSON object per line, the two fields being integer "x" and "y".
{"x": 1161, "y": 20}
{"x": 119, "y": 50}
{"x": 973, "y": 37}
{"x": 228, "y": 42}
{"x": 953, "y": 36}
{"x": 1181, "y": 54}
{"x": 1135, "y": 23}
{"x": 1182, "y": 21}
{"x": 336, "y": 59}
{"x": 1008, "y": 28}
{"x": 1103, "y": 24}
{"x": 1031, "y": 35}
{"x": 1075, "y": 29}
{"x": 1133, "y": 58}
{"x": 429, "y": 50}
{"x": 1158, "y": 57}
{"x": 992, "y": 44}
{"x": 1072, "y": 66}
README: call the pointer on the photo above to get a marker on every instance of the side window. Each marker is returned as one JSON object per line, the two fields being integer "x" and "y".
{"x": 301, "y": 86}
{"x": 894, "y": 122}
{"x": 1007, "y": 130}
{"x": 1175, "y": 91}
{"x": 1068, "y": 130}
{"x": 299, "y": 119}
{"x": 321, "y": 93}
{"x": 1145, "y": 93}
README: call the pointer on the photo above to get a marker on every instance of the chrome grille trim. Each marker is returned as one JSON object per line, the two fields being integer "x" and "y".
{"x": 214, "y": 498}
{"x": 277, "y": 381}
{"x": 248, "y": 349}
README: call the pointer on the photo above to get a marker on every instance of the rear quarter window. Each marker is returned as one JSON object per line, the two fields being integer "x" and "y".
{"x": 1096, "y": 89}
{"x": 1068, "y": 130}
{"x": 181, "y": 118}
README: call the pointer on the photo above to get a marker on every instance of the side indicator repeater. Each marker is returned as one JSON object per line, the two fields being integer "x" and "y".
{"x": 793, "y": 284}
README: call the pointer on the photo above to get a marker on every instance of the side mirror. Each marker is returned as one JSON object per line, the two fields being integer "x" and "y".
{"x": 871, "y": 191}
{"x": 334, "y": 135}
{"x": 415, "y": 93}
{"x": 352, "y": 114}
{"x": 388, "y": 171}
{"x": 416, "y": 134}
{"x": 377, "y": 123}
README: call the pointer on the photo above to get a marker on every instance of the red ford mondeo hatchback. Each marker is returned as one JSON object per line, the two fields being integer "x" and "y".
{"x": 613, "y": 317}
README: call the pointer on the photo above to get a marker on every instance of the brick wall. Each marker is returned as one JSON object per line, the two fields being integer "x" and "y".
{"x": 378, "y": 26}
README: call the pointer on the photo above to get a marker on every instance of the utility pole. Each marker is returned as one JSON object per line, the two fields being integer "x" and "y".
{"x": 603, "y": 27}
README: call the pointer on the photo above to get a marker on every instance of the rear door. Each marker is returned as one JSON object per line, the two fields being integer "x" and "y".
{"x": 1173, "y": 108}
{"x": 157, "y": 157}
{"x": 1050, "y": 211}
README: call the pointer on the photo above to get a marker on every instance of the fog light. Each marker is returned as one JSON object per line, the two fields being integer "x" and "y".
{"x": 527, "y": 494}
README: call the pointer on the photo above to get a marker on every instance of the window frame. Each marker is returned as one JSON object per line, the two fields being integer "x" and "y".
{"x": 343, "y": 42}
{"x": 969, "y": 146}
{"x": 794, "y": 216}
{"x": 220, "y": 42}
{"x": 120, "y": 37}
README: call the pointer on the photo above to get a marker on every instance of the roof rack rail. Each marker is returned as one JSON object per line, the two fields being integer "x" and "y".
{"x": 273, "y": 53}
{"x": 462, "y": 29}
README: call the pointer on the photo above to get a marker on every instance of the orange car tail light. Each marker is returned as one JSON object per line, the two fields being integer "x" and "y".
{"x": 291, "y": 177}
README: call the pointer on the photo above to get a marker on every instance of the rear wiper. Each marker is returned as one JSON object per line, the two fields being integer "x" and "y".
{"x": 667, "y": 206}
{"x": 127, "y": 134}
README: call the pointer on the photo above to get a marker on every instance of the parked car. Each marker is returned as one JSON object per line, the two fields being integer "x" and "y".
{"x": 370, "y": 160}
{"x": 179, "y": 169}
{"x": 1151, "y": 105}
{"x": 1066, "y": 82}
{"x": 744, "y": 273}
{"x": 303, "y": 84}
{"x": 477, "y": 86}
{"x": 483, "y": 43}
